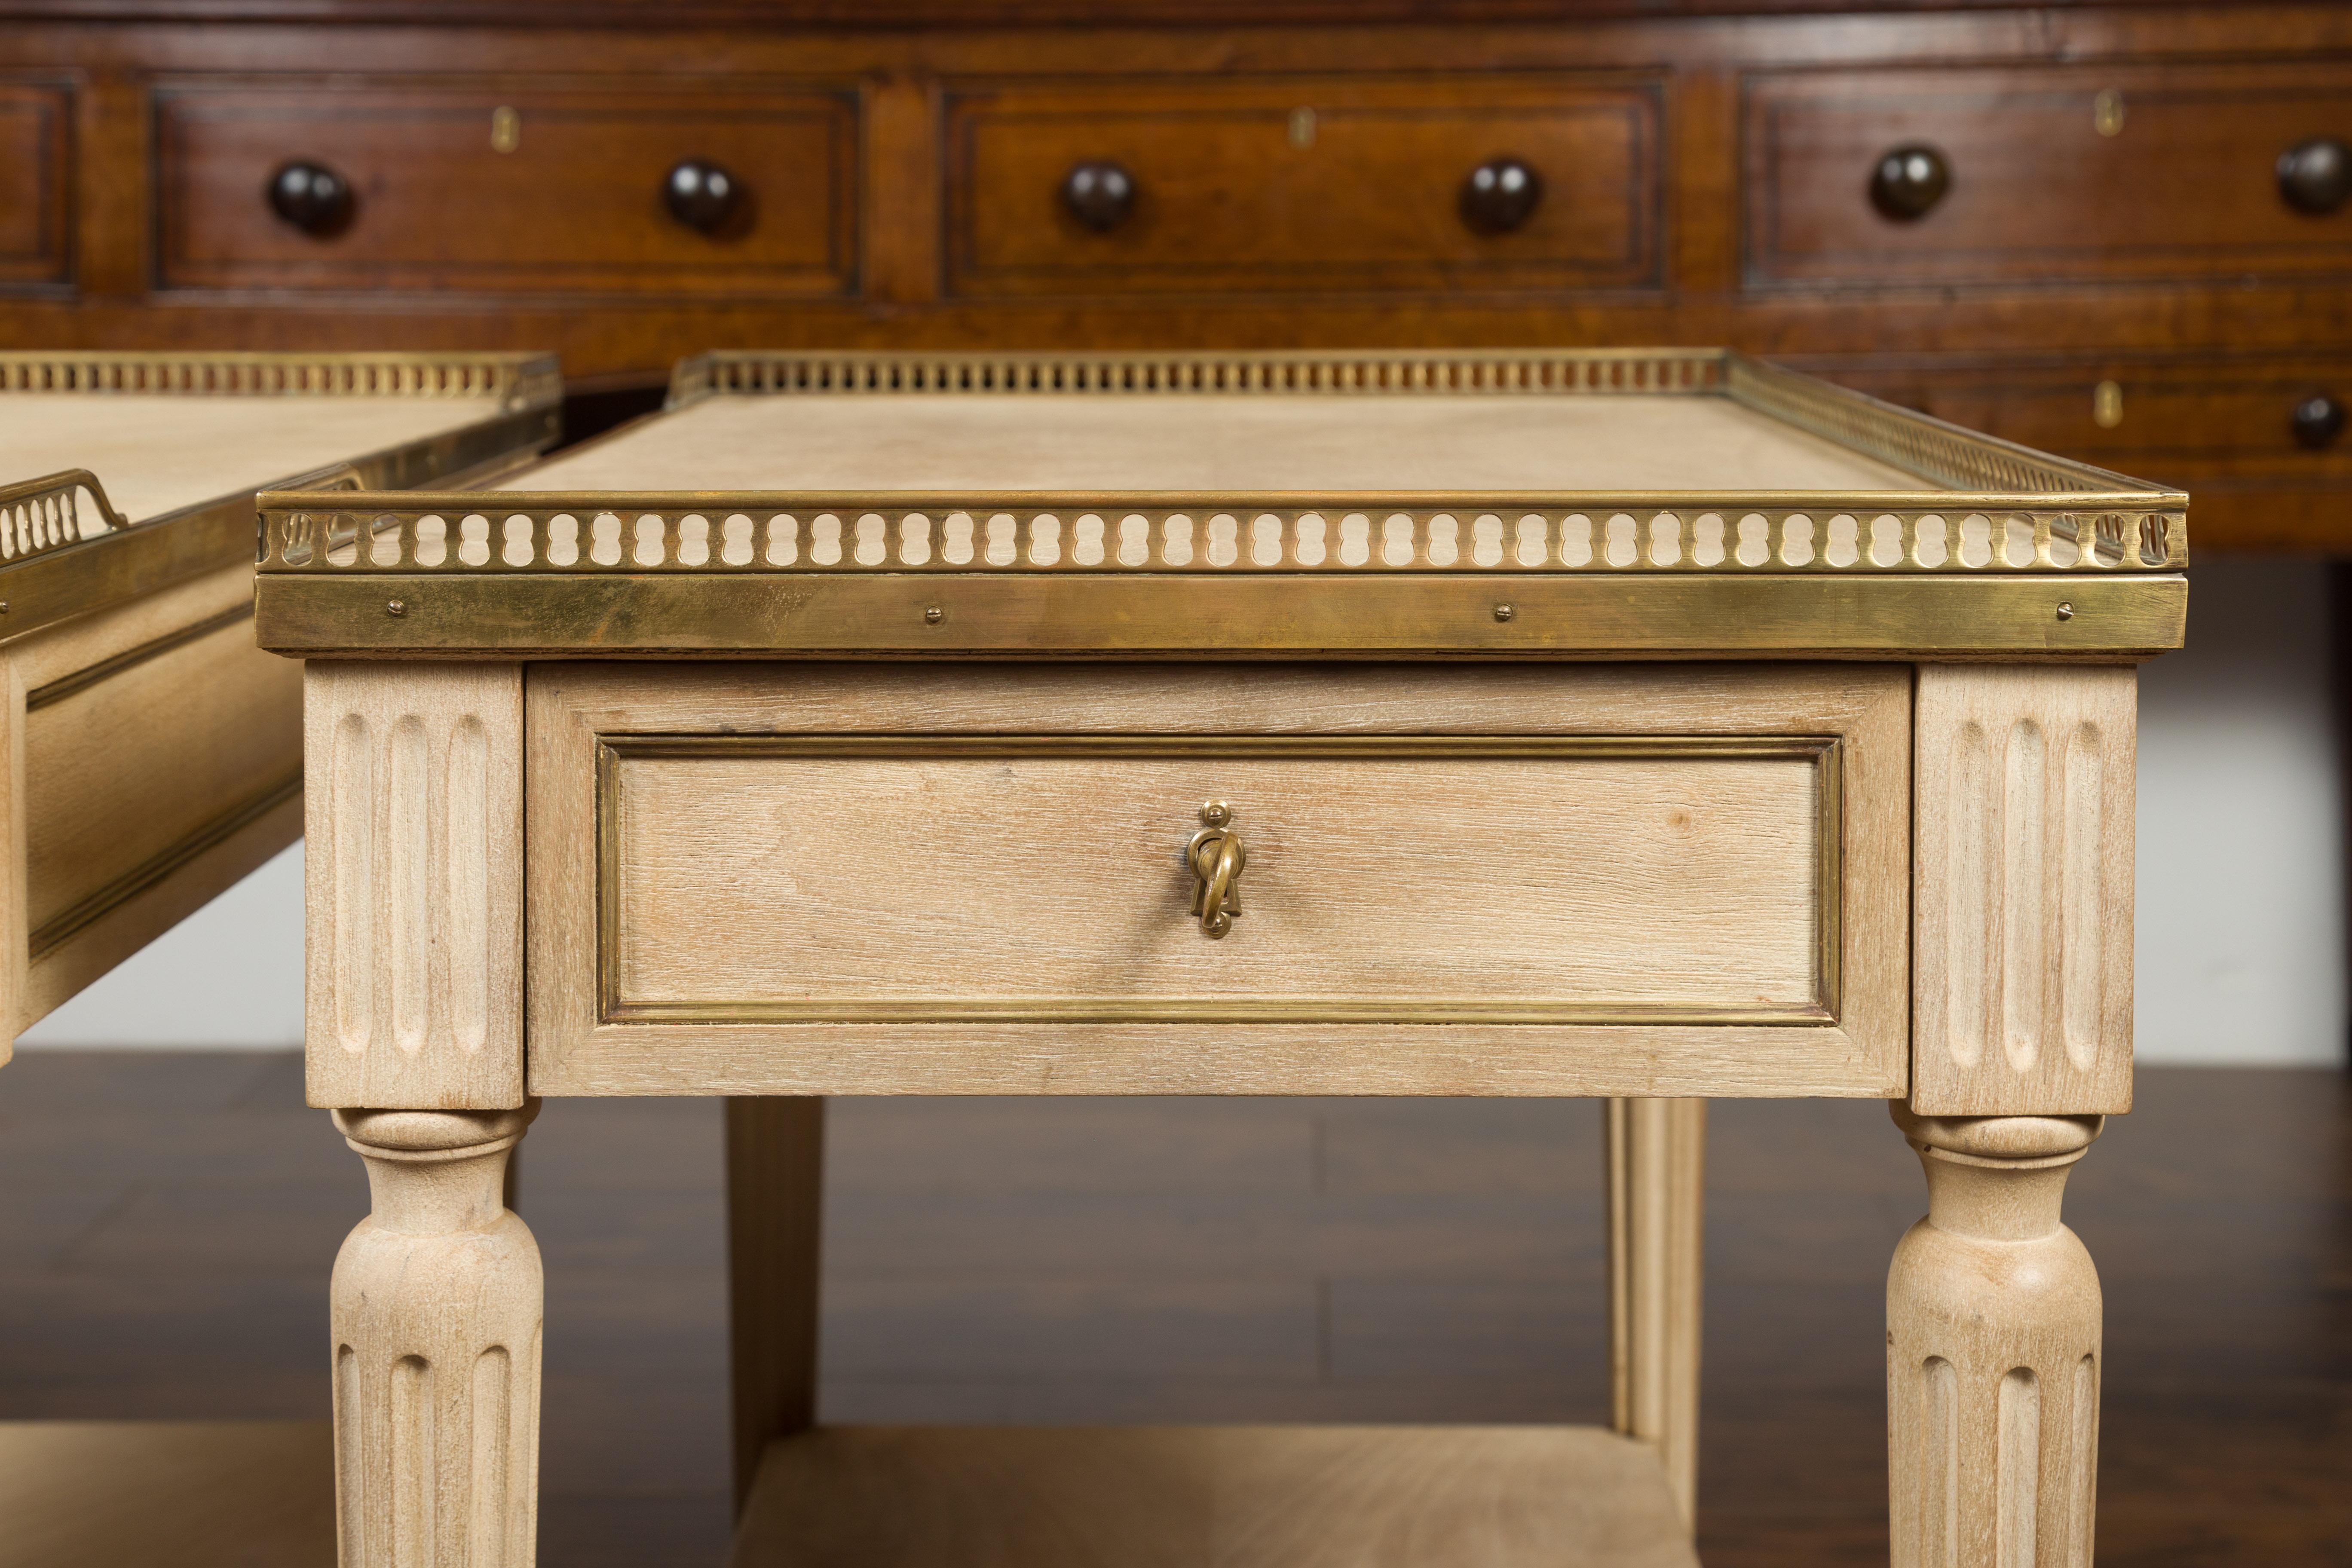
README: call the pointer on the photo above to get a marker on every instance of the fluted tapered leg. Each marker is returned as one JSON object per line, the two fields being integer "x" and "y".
{"x": 437, "y": 1304}
{"x": 1657, "y": 1179}
{"x": 1993, "y": 1352}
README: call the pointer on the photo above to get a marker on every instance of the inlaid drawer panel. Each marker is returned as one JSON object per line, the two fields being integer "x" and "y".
{"x": 35, "y": 172}
{"x": 2004, "y": 175}
{"x": 781, "y": 859}
{"x": 1500, "y": 183}
{"x": 727, "y": 186}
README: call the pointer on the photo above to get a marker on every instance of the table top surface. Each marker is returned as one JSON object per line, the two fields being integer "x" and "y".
{"x": 1456, "y": 442}
{"x": 1549, "y": 503}
{"x": 158, "y": 454}
{"x": 123, "y": 472}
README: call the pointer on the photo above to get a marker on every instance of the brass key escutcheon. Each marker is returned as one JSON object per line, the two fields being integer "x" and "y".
{"x": 1216, "y": 857}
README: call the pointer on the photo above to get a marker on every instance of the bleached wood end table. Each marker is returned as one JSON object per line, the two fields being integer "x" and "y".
{"x": 149, "y": 754}
{"x": 1651, "y": 725}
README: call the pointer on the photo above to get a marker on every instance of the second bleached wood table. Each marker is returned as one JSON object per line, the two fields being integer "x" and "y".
{"x": 1650, "y": 726}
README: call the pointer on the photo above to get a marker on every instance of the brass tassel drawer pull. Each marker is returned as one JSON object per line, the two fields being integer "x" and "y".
{"x": 1217, "y": 858}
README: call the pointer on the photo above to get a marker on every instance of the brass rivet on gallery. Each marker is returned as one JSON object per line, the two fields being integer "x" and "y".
{"x": 934, "y": 614}
{"x": 2107, "y": 113}
{"x": 396, "y": 607}
{"x": 2065, "y": 609}
{"x": 1504, "y": 612}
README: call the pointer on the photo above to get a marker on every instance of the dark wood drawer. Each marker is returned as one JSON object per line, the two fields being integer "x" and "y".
{"x": 2222, "y": 430}
{"x": 1294, "y": 184}
{"x": 504, "y": 186}
{"x": 2175, "y": 421}
{"x": 36, "y": 131}
{"x": 2056, "y": 174}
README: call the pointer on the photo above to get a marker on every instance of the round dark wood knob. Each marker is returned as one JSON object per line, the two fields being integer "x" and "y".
{"x": 1500, "y": 195}
{"x": 701, "y": 195}
{"x": 1099, "y": 195}
{"x": 2315, "y": 176}
{"x": 1909, "y": 181}
{"x": 2317, "y": 421}
{"x": 311, "y": 197}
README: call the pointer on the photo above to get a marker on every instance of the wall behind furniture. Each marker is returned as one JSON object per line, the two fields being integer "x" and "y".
{"x": 2242, "y": 890}
{"x": 2240, "y": 872}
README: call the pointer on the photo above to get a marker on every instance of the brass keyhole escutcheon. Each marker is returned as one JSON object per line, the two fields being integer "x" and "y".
{"x": 1216, "y": 857}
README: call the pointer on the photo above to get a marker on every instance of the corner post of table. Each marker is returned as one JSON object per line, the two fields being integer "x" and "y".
{"x": 437, "y": 1312}
{"x": 1657, "y": 1156}
{"x": 2022, "y": 1016}
{"x": 775, "y": 1182}
{"x": 414, "y": 1036}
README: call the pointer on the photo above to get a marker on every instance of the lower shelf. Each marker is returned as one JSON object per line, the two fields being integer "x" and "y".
{"x": 1210, "y": 1497}
{"x": 166, "y": 1494}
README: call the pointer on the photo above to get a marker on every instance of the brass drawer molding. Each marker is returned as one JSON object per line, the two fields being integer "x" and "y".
{"x": 635, "y": 985}
{"x": 1217, "y": 857}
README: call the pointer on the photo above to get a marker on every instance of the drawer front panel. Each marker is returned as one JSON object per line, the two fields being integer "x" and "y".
{"x": 1311, "y": 183}
{"x": 36, "y": 170}
{"x": 215, "y": 714}
{"x": 2173, "y": 422}
{"x": 161, "y": 760}
{"x": 2050, "y": 175}
{"x": 1389, "y": 879}
{"x": 505, "y": 188}
{"x": 848, "y": 879}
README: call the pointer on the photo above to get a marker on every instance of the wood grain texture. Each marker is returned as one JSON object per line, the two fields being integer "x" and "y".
{"x": 775, "y": 1203}
{"x": 1656, "y": 1157}
{"x": 1210, "y": 1497}
{"x": 1994, "y": 1351}
{"x": 413, "y": 885}
{"x": 579, "y": 1046}
{"x": 2039, "y": 192}
{"x": 167, "y": 1494}
{"x": 948, "y": 882}
{"x": 1235, "y": 191}
{"x": 35, "y": 184}
{"x": 157, "y": 453}
{"x": 159, "y": 758}
{"x": 1403, "y": 441}
{"x": 2022, "y": 890}
{"x": 579, "y": 196}
{"x": 901, "y": 181}
{"x": 437, "y": 1304}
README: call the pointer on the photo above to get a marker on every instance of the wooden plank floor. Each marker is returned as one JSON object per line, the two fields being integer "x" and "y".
{"x": 166, "y": 1223}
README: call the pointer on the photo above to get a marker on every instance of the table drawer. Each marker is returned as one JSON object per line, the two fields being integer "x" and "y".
{"x": 1299, "y": 184}
{"x": 786, "y": 861}
{"x": 2057, "y": 173}
{"x": 546, "y": 186}
{"x": 160, "y": 758}
{"x": 2175, "y": 421}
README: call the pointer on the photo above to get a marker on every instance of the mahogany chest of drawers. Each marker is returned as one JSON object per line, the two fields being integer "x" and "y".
{"x": 2121, "y": 233}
